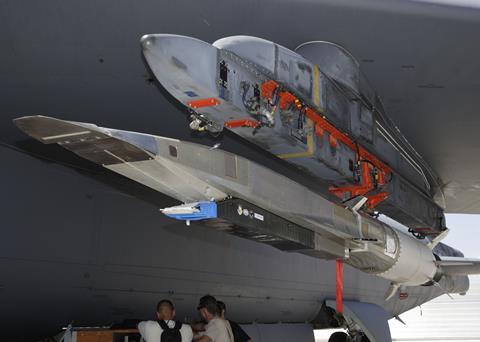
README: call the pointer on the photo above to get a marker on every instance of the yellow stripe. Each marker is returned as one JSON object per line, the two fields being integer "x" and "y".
{"x": 316, "y": 91}
{"x": 316, "y": 100}
{"x": 308, "y": 152}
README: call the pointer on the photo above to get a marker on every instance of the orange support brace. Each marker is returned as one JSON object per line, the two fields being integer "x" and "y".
{"x": 424, "y": 230}
{"x": 332, "y": 141}
{"x": 286, "y": 99}
{"x": 210, "y": 102}
{"x": 242, "y": 123}
{"x": 319, "y": 131}
{"x": 339, "y": 285}
{"x": 368, "y": 160}
{"x": 374, "y": 200}
{"x": 268, "y": 88}
{"x": 365, "y": 185}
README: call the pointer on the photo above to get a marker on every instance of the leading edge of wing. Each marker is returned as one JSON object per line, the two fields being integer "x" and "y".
{"x": 459, "y": 265}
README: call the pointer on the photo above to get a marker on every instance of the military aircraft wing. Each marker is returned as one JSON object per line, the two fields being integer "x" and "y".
{"x": 112, "y": 149}
{"x": 459, "y": 266}
{"x": 87, "y": 140}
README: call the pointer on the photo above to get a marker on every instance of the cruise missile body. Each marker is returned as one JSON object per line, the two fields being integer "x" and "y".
{"x": 310, "y": 107}
{"x": 237, "y": 196}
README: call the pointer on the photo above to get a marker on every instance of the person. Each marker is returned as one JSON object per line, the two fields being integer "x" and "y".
{"x": 217, "y": 329}
{"x": 165, "y": 329}
{"x": 239, "y": 335}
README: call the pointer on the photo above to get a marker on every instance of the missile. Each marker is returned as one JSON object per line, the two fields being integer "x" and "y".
{"x": 310, "y": 107}
{"x": 235, "y": 195}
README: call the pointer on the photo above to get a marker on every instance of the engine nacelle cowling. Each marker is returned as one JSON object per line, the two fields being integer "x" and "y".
{"x": 415, "y": 262}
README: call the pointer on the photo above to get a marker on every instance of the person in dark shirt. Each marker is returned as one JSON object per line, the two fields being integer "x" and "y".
{"x": 239, "y": 335}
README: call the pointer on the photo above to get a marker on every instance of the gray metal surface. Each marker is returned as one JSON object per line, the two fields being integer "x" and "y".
{"x": 88, "y": 143}
{"x": 279, "y": 333}
{"x": 75, "y": 244}
{"x": 246, "y": 64}
{"x": 334, "y": 61}
{"x": 192, "y": 172}
{"x": 370, "y": 317}
{"x": 455, "y": 265}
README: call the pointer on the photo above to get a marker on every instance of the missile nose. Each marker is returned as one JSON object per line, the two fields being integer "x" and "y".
{"x": 181, "y": 64}
{"x": 147, "y": 41}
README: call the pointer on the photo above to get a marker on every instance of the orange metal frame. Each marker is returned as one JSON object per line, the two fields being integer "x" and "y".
{"x": 366, "y": 160}
{"x": 242, "y": 123}
{"x": 339, "y": 285}
{"x": 371, "y": 167}
{"x": 209, "y": 102}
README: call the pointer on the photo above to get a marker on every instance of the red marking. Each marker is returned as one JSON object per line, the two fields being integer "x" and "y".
{"x": 242, "y": 123}
{"x": 403, "y": 295}
{"x": 319, "y": 131}
{"x": 210, "y": 102}
{"x": 332, "y": 141}
{"x": 363, "y": 154}
{"x": 268, "y": 88}
{"x": 339, "y": 282}
{"x": 374, "y": 200}
{"x": 286, "y": 99}
{"x": 371, "y": 165}
{"x": 365, "y": 186}
{"x": 426, "y": 229}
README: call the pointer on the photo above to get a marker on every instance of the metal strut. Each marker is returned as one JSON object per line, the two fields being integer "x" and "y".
{"x": 373, "y": 172}
{"x": 369, "y": 181}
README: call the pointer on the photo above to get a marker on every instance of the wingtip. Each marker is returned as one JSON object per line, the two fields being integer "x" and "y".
{"x": 25, "y": 123}
{"x": 30, "y": 118}
{"x": 45, "y": 128}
